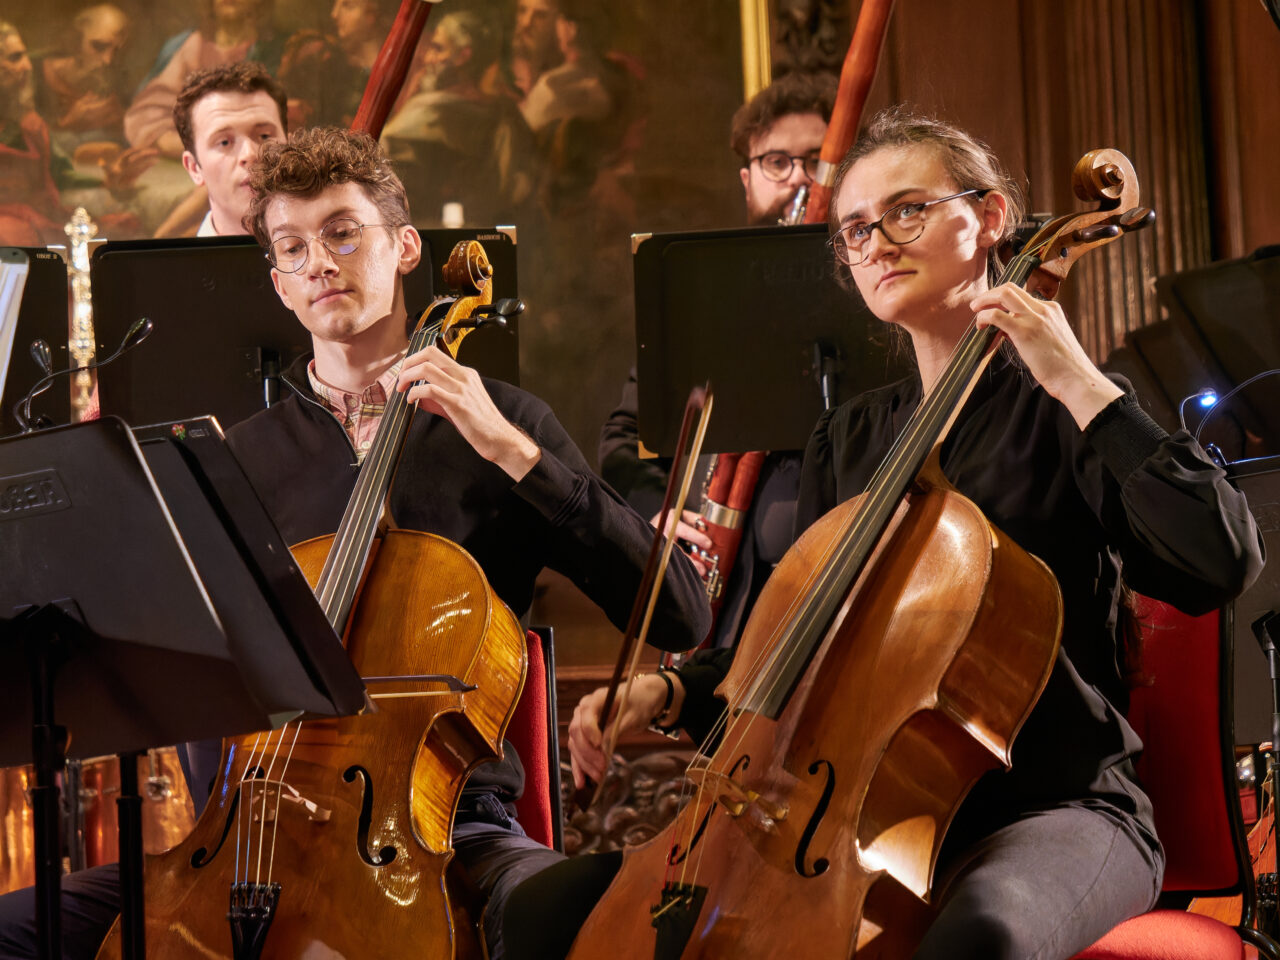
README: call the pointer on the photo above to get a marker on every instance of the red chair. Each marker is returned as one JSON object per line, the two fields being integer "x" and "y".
{"x": 532, "y": 732}
{"x": 1188, "y": 769}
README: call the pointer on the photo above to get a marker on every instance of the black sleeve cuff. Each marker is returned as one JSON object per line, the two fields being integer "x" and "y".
{"x": 1124, "y": 435}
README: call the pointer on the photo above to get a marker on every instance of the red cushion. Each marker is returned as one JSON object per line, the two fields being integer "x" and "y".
{"x": 528, "y": 734}
{"x": 1167, "y": 935}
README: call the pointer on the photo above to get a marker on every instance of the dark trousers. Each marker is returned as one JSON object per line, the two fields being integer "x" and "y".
{"x": 498, "y": 857}
{"x": 1044, "y": 886}
{"x": 90, "y": 903}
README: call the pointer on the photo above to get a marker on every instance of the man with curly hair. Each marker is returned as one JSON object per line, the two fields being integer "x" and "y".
{"x": 485, "y": 464}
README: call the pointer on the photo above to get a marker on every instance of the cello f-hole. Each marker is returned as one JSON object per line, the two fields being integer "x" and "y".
{"x": 386, "y": 854}
{"x": 819, "y": 811}
{"x": 678, "y": 856}
{"x": 199, "y": 858}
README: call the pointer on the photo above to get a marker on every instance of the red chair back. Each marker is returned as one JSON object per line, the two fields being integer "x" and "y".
{"x": 530, "y": 732}
{"x": 1185, "y": 764}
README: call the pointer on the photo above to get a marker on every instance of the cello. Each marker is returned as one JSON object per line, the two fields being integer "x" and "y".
{"x": 332, "y": 837}
{"x": 888, "y": 664}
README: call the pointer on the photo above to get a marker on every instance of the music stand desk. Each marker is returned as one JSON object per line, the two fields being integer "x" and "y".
{"x": 121, "y": 634}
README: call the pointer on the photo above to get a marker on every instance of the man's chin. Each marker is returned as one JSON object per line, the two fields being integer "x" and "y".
{"x": 766, "y": 218}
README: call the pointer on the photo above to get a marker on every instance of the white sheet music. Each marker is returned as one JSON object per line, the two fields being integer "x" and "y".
{"x": 13, "y": 277}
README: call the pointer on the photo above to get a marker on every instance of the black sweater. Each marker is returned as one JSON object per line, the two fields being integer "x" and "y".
{"x": 302, "y": 465}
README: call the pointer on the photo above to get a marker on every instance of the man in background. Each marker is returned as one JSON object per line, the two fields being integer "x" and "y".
{"x": 230, "y": 31}
{"x": 223, "y": 116}
{"x": 31, "y": 171}
{"x": 326, "y": 72}
{"x": 778, "y": 135}
{"x": 534, "y": 45}
{"x": 453, "y": 139}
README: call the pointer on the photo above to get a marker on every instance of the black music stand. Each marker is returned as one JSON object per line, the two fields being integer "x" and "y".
{"x": 229, "y": 344}
{"x": 120, "y": 633}
{"x": 761, "y": 314}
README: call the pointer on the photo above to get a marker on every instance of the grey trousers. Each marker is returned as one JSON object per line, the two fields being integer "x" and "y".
{"x": 1044, "y": 886}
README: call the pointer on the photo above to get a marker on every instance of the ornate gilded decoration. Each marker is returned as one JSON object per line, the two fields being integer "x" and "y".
{"x": 80, "y": 231}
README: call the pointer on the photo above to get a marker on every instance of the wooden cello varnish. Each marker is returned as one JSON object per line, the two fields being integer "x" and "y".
{"x": 925, "y": 641}
{"x": 352, "y": 817}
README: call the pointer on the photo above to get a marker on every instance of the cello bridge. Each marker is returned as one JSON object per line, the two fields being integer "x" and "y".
{"x": 735, "y": 798}
{"x": 264, "y": 803}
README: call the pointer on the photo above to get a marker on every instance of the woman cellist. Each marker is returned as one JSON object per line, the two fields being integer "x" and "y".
{"x": 1043, "y": 859}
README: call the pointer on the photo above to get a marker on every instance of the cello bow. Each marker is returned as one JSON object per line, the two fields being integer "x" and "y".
{"x": 697, "y": 406}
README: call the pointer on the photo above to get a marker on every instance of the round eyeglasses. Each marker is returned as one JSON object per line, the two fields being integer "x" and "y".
{"x": 777, "y": 165}
{"x": 340, "y": 237}
{"x": 901, "y": 223}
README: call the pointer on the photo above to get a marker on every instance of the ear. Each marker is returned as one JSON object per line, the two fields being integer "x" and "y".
{"x": 192, "y": 166}
{"x": 994, "y": 210}
{"x": 745, "y": 174}
{"x": 410, "y": 250}
{"x": 276, "y": 281}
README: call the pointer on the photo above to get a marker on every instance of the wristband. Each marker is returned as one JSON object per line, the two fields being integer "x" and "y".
{"x": 666, "y": 730}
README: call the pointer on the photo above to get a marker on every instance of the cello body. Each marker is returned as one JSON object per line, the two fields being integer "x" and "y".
{"x": 360, "y": 808}
{"x": 815, "y": 832}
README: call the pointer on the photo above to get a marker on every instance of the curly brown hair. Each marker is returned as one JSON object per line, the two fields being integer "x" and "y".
{"x": 793, "y": 93}
{"x": 313, "y": 160}
{"x": 243, "y": 76}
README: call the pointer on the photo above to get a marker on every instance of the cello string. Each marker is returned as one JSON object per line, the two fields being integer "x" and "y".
{"x": 355, "y": 535}
{"x": 240, "y": 808}
{"x": 724, "y": 723}
{"x": 284, "y": 773}
{"x": 248, "y": 795}
{"x": 263, "y": 788}
{"x": 705, "y": 755}
{"x": 728, "y": 721}
{"x": 340, "y": 577}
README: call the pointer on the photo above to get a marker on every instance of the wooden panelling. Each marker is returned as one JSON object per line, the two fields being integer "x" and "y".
{"x": 1242, "y": 78}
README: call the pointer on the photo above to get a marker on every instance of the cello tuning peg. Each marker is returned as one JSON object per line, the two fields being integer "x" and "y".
{"x": 1137, "y": 218}
{"x": 494, "y": 314}
{"x": 509, "y": 307}
{"x": 1099, "y": 231}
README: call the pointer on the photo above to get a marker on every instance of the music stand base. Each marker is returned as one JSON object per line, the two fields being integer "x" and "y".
{"x": 43, "y": 633}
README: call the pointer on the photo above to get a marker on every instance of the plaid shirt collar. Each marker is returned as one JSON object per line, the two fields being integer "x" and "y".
{"x": 359, "y": 413}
